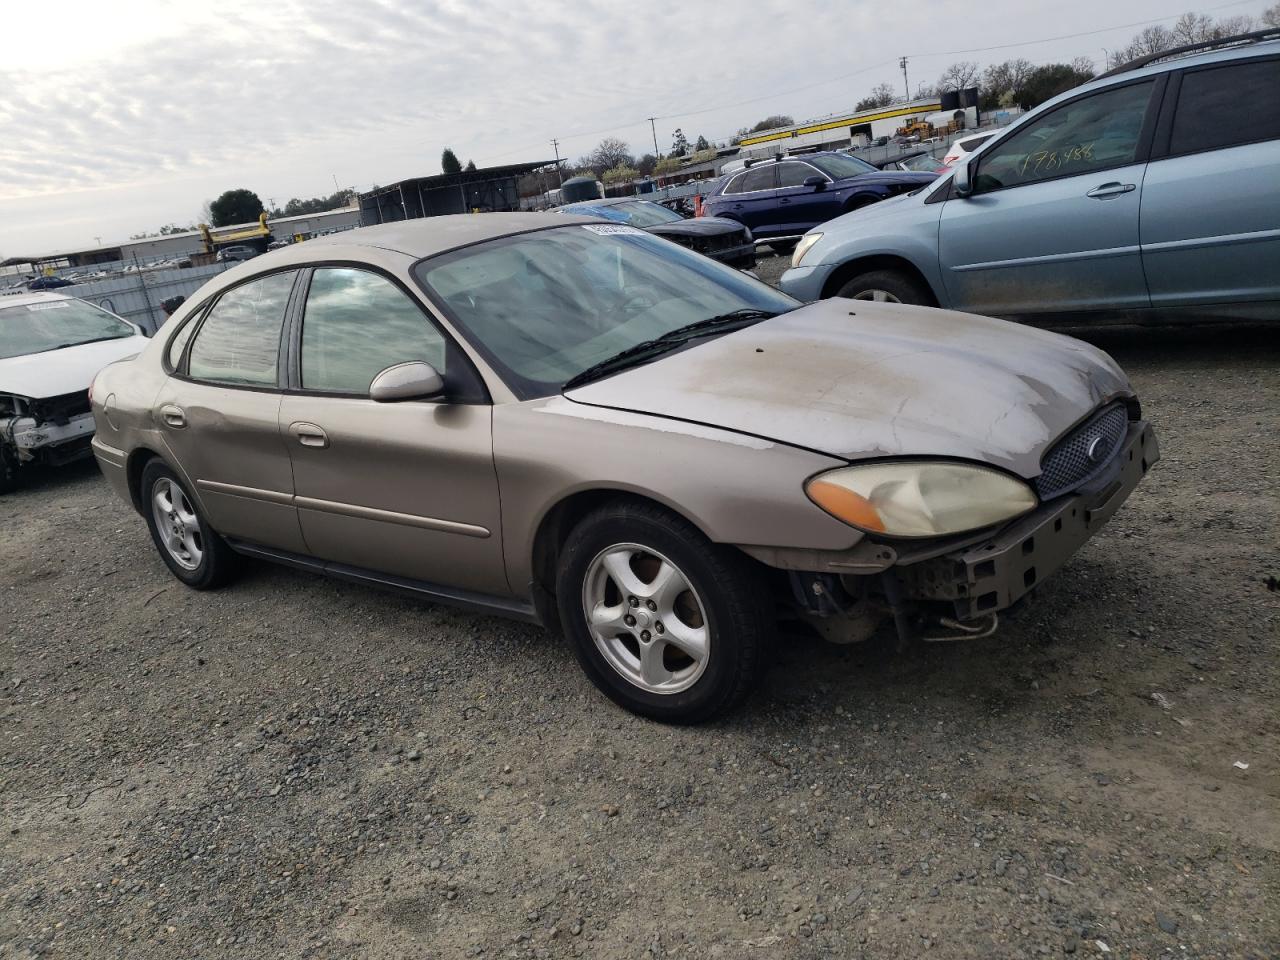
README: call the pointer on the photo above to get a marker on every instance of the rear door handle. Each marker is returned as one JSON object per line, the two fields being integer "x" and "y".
{"x": 173, "y": 415}
{"x": 1113, "y": 189}
{"x": 308, "y": 434}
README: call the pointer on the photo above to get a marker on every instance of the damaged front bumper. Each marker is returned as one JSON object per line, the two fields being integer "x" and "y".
{"x": 993, "y": 575}
{"x": 52, "y": 431}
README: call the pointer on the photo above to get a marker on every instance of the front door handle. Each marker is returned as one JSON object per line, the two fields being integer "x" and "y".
{"x": 785, "y": 200}
{"x": 1113, "y": 189}
{"x": 308, "y": 434}
{"x": 173, "y": 415}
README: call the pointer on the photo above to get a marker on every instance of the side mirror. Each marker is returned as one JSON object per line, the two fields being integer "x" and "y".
{"x": 415, "y": 380}
{"x": 961, "y": 184}
{"x": 815, "y": 181}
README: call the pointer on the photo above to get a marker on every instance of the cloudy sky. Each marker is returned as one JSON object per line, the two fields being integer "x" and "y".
{"x": 119, "y": 117}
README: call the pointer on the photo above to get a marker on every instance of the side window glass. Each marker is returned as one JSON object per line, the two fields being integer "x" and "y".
{"x": 794, "y": 174}
{"x": 1093, "y": 133}
{"x": 758, "y": 178}
{"x": 179, "y": 342}
{"x": 239, "y": 341}
{"x": 357, "y": 324}
{"x": 735, "y": 185}
{"x": 1214, "y": 110}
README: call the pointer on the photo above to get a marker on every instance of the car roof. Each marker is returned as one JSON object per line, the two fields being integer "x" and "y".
{"x": 34, "y": 296}
{"x": 1259, "y": 43}
{"x": 425, "y": 236}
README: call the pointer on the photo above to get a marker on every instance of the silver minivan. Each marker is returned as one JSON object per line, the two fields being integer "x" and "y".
{"x": 1152, "y": 192}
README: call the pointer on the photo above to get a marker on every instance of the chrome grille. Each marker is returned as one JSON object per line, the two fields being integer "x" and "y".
{"x": 1069, "y": 464}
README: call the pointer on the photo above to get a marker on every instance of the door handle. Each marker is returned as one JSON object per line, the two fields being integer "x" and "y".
{"x": 173, "y": 415}
{"x": 1113, "y": 189}
{"x": 785, "y": 200}
{"x": 308, "y": 434}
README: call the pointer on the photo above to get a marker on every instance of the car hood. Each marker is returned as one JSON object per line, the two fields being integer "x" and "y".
{"x": 856, "y": 379}
{"x": 889, "y": 177}
{"x": 55, "y": 372}
{"x": 697, "y": 227}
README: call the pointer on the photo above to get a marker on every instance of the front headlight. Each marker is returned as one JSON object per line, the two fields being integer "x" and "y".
{"x": 806, "y": 242}
{"x": 920, "y": 499}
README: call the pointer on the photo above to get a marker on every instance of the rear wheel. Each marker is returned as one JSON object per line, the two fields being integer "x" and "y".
{"x": 190, "y": 548}
{"x": 664, "y": 622}
{"x": 886, "y": 286}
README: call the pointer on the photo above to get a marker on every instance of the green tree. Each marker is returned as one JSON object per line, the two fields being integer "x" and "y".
{"x": 768, "y": 123}
{"x": 679, "y": 144}
{"x": 1047, "y": 81}
{"x": 621, "y": 174}
{"x": 470, "y": 167}
{"x": 235, "y": 206}
{"x": 667, "y": 165}
{"x": 646, "y": 164}
{"x": 701, "y": 144}
{"x": 449, "y": 162}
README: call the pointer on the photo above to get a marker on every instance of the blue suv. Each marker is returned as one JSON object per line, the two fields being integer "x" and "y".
{"x": 1152, "y": 191}
{"x": 781, "y": 198}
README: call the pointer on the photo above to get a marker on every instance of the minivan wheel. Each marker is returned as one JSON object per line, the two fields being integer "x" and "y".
{"x": 664, "y": 622}
{"x": 886, "y": 286}
{"x": 187, "y": 544}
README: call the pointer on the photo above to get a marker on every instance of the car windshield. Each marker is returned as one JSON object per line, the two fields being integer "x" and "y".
{"x": 543, "y": 307}
{"x": 837, "y": 166}
{"x": 48, "y": 325}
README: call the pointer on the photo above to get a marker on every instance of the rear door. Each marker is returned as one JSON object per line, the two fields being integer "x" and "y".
{"x": 219, "y": 413}
{"x": 1052, "y": 224}
{"x": 1211, "y": 199}
{"x": 404, "y": 488}
{"x": 753, "y": 199}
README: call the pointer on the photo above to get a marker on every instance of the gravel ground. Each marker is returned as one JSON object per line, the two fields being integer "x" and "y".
{"x": 299, "y": 768}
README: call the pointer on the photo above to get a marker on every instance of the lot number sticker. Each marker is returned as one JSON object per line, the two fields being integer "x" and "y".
{"x": 605, "y": 229}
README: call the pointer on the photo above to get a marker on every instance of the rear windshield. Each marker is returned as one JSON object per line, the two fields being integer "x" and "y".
{"x": 36, "y": 327}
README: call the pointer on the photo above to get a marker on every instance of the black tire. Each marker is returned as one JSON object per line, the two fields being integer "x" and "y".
{"x": 739, "y": 615}
{"x": 902, "y": 287}
{"x": 9, "y": 478}
{"x": 218, "y": 563}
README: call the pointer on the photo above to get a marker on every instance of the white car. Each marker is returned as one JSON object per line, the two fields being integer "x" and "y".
{"x": 965, "y": 146}
{"x": 51, "y": 348}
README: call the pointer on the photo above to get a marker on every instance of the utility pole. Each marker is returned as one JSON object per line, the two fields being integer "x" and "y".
{"x": 656, "y": 154}
{"x": 905, "y": 84}
{"x": 336, "y": 188}
{"x": 559, "y": 172}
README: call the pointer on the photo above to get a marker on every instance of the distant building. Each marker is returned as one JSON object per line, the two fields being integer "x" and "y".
{"x": 485, "y": 190}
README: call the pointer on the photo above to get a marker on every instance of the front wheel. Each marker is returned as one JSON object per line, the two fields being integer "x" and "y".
{"x": 187, "y": 544}
{"x": 664, "y": 622}
{"x": 886, "y": 286}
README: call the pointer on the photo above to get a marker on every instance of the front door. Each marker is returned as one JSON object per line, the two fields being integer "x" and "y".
{"x": 404, "y": 488}
{"x": 753, "y": 200}
{"x": 219, "y": 415}
{"x": 1052, "y": 223}
{"x": 800, "y": 207}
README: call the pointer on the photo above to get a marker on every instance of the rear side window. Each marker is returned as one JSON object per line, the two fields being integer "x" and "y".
{"x": 1225, "y": 106}
{"x": 239, "y": 342}
{"x": 760, "y": 178}
{"x": 357, "y": 324}
{"x": 735, "y": 185}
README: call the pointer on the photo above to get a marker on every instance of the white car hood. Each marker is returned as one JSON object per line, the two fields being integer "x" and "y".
{"x": 55, "y": 372}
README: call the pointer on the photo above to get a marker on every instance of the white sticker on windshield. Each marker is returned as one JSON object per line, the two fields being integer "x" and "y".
{"x": 604, "y": 229}
{"x": 52, "y": 305}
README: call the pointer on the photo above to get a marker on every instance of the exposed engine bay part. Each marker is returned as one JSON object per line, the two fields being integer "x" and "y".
{"x": 53, "y": 431}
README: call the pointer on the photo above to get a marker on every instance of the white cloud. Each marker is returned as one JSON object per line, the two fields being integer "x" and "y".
{"x": 125, "y": 116}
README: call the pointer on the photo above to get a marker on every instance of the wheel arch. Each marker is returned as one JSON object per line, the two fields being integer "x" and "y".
{"x": 881, "y": 261}
{"x": 134, "y": 465}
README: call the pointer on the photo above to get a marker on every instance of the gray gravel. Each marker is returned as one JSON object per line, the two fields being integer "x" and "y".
{"x": 299, "y": 768}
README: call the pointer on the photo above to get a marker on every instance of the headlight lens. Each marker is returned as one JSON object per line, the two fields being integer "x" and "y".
{"x": 806, "y": 242}
{"x": 920, "y": 499}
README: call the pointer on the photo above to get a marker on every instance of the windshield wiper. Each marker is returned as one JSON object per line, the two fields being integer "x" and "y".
{"x": 80, "y": 343}
{"x": 647, "y": 349}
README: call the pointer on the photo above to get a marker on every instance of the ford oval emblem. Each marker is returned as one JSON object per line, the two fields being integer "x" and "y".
{"x": 1097, "y": 450}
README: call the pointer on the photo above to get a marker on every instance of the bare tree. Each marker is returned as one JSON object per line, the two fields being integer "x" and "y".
{"x": 1001, "y": 79}
{"x": 1083, "y": 65}
{"x": 925, "y": 91}
{"x": 1271, "y": 16}
{"x": 1149, "y": 40}
{"x": 880, "y": 96}
{"x": 1200, "y": 27}
{"x": 958, "y": 76}
{"x": 609, "y": 153}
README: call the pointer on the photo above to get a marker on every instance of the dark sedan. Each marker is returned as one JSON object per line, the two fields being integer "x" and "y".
{"x": 725, "y": 240}
{"x": 786, "y": 197}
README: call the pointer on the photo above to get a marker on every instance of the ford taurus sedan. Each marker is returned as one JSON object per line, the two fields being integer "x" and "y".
{"x": 580, "y": 424}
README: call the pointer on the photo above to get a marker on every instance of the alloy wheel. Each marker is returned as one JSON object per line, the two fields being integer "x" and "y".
{"x": 177, "y": 523}
{"x": 646, "y": 619}
{"x": 879, "y": 296}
